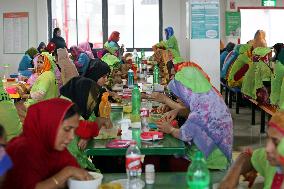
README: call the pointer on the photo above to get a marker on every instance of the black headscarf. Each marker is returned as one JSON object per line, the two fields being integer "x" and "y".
{"x": 40, "y": 46}
{"x": 84, "y": 93}
{"x": 277, "y": 48}
{"x": 97, "y": 69}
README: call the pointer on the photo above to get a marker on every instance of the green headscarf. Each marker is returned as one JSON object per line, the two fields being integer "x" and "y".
{"x": 31, "y": 52}
{"x": 9, "y": 118}
{"x": 178, "y": 60}
{"x": 110, "y": 47}
{"x": 276, "y": 83}
{"x": 194, "y": 79}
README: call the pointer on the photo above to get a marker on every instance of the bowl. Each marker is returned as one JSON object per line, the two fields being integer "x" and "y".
{"x": 87, "y": 184}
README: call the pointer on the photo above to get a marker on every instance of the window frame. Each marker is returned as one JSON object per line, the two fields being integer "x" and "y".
{"x": 105, "y": 23}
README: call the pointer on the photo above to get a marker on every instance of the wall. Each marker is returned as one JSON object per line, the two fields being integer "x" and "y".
{"x": 37, "y": 26}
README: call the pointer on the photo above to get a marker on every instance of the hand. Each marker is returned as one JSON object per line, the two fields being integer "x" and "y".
{"x": 104, "y": 122}
{"x": 228, "y": 183}
{"x": 163, "y": 108}
{"x": 78, "y": 173}
{"x": 165, "y": 126}
{"x": 159, "y": 97}
{"x": 82, "y": 144}
{"x": 171, "y": 115}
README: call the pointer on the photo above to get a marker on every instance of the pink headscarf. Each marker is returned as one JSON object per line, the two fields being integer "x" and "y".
{"x": 87, "y": 49}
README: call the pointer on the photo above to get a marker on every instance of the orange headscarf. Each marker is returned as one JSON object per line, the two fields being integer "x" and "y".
{"x": 46, "y": 64}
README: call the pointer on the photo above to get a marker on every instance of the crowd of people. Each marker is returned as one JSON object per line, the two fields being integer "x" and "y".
{"x": 60, "y": 110}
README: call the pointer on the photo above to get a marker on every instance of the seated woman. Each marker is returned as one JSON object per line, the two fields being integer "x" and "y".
{"x": 166, "y": 51}
{"x": 45, "y": 86}
{"x": 110, "y": 55}
{"x": 114, "y": 38}
{"x": 85, "y": 46}
{"x": 9, "y": 118}
{"x": 84, "y": 93}
{"x": 44, "y": 161}
{"x": 27, "y": 62}
{"x": 80, "y": 58}
{"x": 265, "y": 161}
{"x": 41, "y": 47}
{"x": 208, "y": 130}
{"x": 99, "y": 72}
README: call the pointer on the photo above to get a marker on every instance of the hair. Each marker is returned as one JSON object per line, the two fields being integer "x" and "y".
{"x": 91, "y": 45}
{"x": 74, "y": 109}
{"x": 2, "y": 131}
{"x": 55, "y": 31}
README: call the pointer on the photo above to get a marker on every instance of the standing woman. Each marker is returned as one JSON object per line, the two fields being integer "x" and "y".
{"x": 44, "y": 161}
{"x": 209, "y": 124}
{"x": 58, "y": 40}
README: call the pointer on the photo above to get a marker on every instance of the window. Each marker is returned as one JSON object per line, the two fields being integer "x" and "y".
{"x": 138, "y": 21}
{"x": 90, "y": 22}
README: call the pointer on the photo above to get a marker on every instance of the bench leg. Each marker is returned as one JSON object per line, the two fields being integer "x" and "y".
{"x": 221, "y": 88}
{"x": 238, "y": 99}
{"x": 252, "y": 114}
{"x": 226, "y": 95}
{"x": 230, "y": 99}
{"x": 262, "y": 123}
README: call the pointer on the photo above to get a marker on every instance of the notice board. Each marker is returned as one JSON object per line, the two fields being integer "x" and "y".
{"x": 233, "y": 23}
{"x": 15, "y": 32}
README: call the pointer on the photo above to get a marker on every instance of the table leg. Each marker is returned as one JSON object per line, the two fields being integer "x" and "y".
{"x": 252, "y": 114}
{"x": 230, "y": 99}
{"x": 238, "y": 98}
{"x": 262, "y": 124}
{"x": 226, "y": 95}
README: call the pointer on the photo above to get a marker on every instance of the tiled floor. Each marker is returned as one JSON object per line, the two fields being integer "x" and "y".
{"x": 246, "y": 134}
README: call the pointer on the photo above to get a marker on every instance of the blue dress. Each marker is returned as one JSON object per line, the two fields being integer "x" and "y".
{"x": 24, "y": 66}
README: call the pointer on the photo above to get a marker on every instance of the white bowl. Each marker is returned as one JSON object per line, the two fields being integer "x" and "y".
{"x": 87, "y": 184}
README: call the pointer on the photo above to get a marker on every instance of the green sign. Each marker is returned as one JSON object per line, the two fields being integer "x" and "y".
{"x": 268, "y": 3}
{"x": 233, "y": 23}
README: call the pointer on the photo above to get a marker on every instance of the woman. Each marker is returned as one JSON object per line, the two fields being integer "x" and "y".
{"x": 84, "y": 93}
{"x": 166, "y": 51}
{"x": 41, "y": 47}
{"x": 58, "y": 40}
{"x": 68, "y": 70}
{"x": 80, "y": 58}
{"x": 265, "y": 161}
{"x": 26, "y": 62}
{"x": 210, "y": 130}
{"x": 113, "y": 39}
{"x": 43, "y": 143}
{"x": 9, "y": 118}
{"x": 87, "y": 49}
{"x": 45, "y": 86}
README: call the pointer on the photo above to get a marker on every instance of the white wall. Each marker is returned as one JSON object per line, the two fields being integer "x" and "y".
{"x": 38, "y": 32}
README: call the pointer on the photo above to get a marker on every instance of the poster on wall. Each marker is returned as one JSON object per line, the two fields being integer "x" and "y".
{"x": 204, "y": 19}
{"x": 233, "y": 23}
{"x": 15, "y": 32}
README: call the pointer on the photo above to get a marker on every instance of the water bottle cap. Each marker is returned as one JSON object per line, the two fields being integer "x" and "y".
{"x": 130, "y": 70}
{"x": 198, "y": 155}
{"x": 149, "y": 168}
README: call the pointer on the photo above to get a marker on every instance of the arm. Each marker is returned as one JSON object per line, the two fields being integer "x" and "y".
{"x": 59, "y": 180}
{"x": 241, "y": 166}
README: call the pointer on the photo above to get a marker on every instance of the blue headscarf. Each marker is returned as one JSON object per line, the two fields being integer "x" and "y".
{"x": 169, "y": 32}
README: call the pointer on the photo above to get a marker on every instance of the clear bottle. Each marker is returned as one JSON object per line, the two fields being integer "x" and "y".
{"x": 135, "y": 55}
{"x": 136, "y": 100}
{"x": 105, "y": 106}
{"x": 144, "y": 114}
{"x": 130, "y": 78}
{"x": 133, "y": 167}
{"x": 198, "y": 174}
{"x": 156, "y": 74}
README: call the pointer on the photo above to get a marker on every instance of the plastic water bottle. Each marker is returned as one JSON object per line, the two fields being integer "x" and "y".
{"x": 156, "y": 75}
{"x": 198, "y": 175}
{"x": 105, "y": 106}
{"x": 133, "y": 167}
{"x": 135, "y": 55}
{"x": 136, "y": 100}
{"x": 130, "y": 78}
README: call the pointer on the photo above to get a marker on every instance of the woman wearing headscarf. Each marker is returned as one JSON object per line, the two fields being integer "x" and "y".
{"x": 206, "y": 128}
{"x": 110, "y": 55}
{"x": 264, "y": 161}
{"x": 9, "y": 118}
{"x": 41, "y": 47}
{"x": 85, "y": 46}
{"x": 26, "y": 62}
{"x": 80, "y": 58}
{"x": 68, "y": 70}
{"x": 58, "y": 40}
{"x": 84, "y": 93}
{"x": 44, "y": 161}
{"x": 166, "y": 51}
{"x": 45, "y": 86}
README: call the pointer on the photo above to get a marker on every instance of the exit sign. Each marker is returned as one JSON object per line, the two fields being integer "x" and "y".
{"x": 268, "y": 3}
